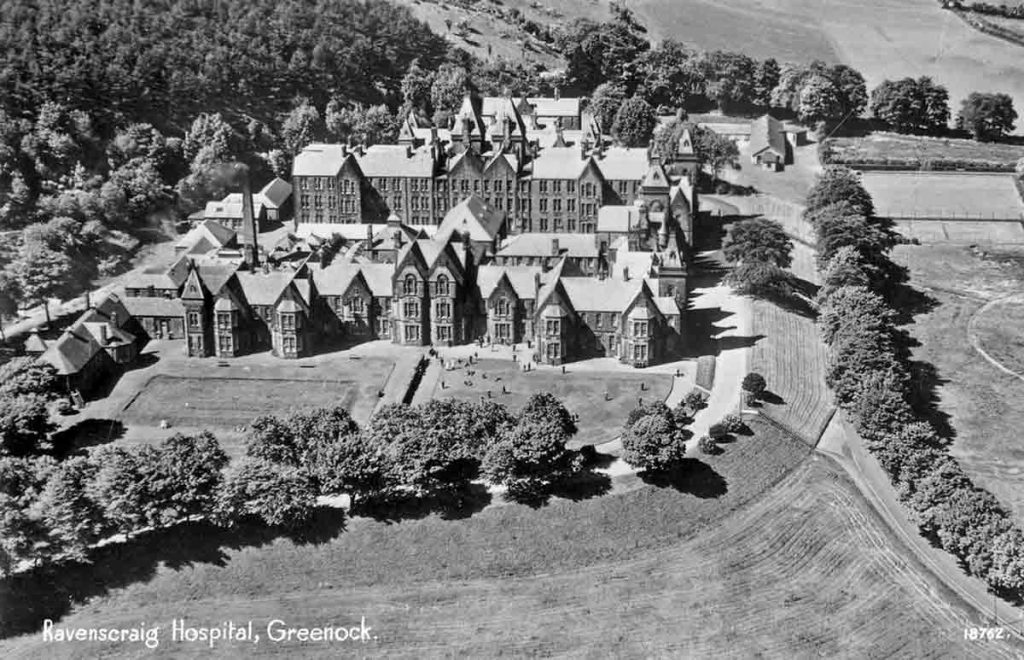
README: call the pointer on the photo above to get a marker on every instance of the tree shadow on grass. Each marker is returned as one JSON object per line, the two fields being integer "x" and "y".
{"x": 49, "y": 592}
{"x": 84, "y": 434}
{"x": 771, "y": 397}
{"x": 456, "y": 504}
{"x": 692, "y": 476}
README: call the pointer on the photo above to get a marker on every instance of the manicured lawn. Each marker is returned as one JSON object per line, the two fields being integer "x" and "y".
{"x": 582, "y": 392}
{"x": 792, "y": 358}
{"x": 980, "y": 403}
{"x": 929, "y": 195}
{"x": 202, "y": 396}
{"x": 803, "y": 570}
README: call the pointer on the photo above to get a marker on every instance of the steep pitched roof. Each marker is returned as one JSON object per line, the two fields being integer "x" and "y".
{"x": 391, "y": 160}
{"x": 473, "y": 214}
{"x": 623, "y": 163}
{"x": 379, "y": 277}
{"x": 559, "y": 163}
{"x": 546, "y": 106}
{"x": 320, "y": 160}
{"x": 82, "y": 341}
{"x": 156, "y": 306}
{"x": 335, "y": 279}
{"x": 210, "y": 231}
{"x": 469, "y": 112}
{"x": 262, "y": 288}
{"x": 655, "y": 177}
{"x": 540, "y": 245}
{"x": 610, "y": 295}
{"x": 521, "y": 278}
{"x": 766, "y": 133}
{"x": 276, "y": 193}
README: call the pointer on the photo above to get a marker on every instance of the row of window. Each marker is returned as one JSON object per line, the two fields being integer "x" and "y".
{"x": 442, "y": 286}
{"x": 464, "y": 185}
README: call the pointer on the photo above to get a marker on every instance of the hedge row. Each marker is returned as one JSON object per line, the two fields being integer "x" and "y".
{"x": 830, "y": 157}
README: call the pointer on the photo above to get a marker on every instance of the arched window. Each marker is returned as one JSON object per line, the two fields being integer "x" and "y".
{"x": 503, "y": 307}
{"x": 442, "y": 285}
{"x": 410, "y": 285}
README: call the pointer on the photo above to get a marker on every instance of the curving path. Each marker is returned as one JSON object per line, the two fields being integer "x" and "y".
{"x": 975, "y": 342}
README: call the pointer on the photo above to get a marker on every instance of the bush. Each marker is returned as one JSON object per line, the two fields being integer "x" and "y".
{"x": 733, "y": 423}
{"x": 754, "y": 385}
{"x": 696, "y": 400}
{"x": 654, "y": 442}
{"x": 717, "y": 431}
{"x": 708, "y": 446}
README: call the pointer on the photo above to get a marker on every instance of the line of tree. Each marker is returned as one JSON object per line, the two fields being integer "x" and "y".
{"x": 987, "y": 8}
{"x": 55, "y": 511}
{"x": 614, "y": 61}
{"x": 869, "y": 371}
{"x": 922, "y": 107}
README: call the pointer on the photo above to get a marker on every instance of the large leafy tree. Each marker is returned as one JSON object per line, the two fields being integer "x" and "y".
{"x": 912, "y": 106}
{"x": 761, "y": 240}
{"x": 671, "y": 74}
{"x": 26, "y": 376}
{"x": 24, "y": 425}
{"x": 987, "y": 116}
{"x": 634, "y": 123}
{"x": 126, "y": 486}
{"x": 277, "y": 495}
{"x": 301, "y": 126}
{"x": 654, "y": 441}
{"x": 602, "y": 52}
{"x": 605, "y": 103}
{"x": 838, "y": 184}
{"x": 713, "y": 150}
{"x": 73, "y": 518}
{"x": 190, "y": 473}
{"x": 532, "y": 455}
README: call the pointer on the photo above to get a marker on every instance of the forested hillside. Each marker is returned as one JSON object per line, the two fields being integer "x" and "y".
{"x": 165, "y": 61}
{"x": 115, "y": 115}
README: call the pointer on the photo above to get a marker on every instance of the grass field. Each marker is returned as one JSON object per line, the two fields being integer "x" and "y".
{"x": 930, "y": 195}
{"x": 807, "y": 570}
{"x": 582, "y": 392}
{"x": 894, "y": 145}
{"x": 963, "y": 232}
{"x": 1000, "y": 332}
{"x": 792, "y": 359}
{"x": 229, "y": 402}
{"x": 982, "y": 403}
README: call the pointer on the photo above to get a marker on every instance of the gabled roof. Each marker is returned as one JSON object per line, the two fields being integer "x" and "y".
{"x": 215, "y": 272}
{"x": 559, "y": 163}
{"x": 379, "y": 278}
{"x": 466, "y": 158}
{"x": 505, "y": 115}
{"x": 262, "y": 288}
{"x": 396, "y": 160}
{"x": 82, "y": 341}
{"x": 552, "y": 285}
{"x": 540, "y": 245}
{"x": 766, "y": 133}
{"x": 213, "y": 233}
{"x": 609, "y": 295}
{"x": 623, "y": 163}
{"x": 469, "y": 111}
{"x": 655, "y": 177}
{"x": 546, "y": 106}
{"x": 667, "y": 305}
{"x": 520, "y": 278}
{"x": 321, "y": 160}
{"x": 276, "y": 193}
{"x": 473, "y": 214}
{"x": 35, "y": 343}
{"x": 156, "y": 306}
{"x": 335, "y": 279}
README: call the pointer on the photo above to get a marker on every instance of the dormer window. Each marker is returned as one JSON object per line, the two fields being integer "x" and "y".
{"x": 443, "y": 287}
{"x": 503, "y": 307}
{"x": 409, "y": 286}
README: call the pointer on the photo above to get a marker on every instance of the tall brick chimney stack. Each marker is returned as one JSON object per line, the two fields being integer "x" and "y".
{"x": 250, "y": 232}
